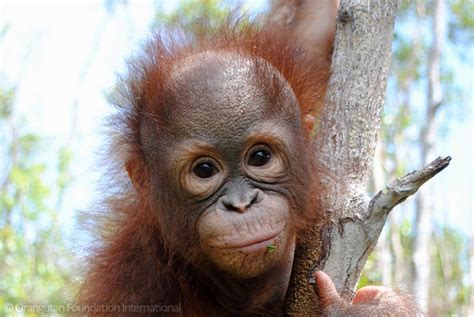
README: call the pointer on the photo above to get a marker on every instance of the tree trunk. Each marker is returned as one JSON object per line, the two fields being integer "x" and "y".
{"x": 345, "y": 140}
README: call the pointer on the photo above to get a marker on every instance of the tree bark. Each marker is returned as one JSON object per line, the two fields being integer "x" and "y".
{"x": 345, "y": 141}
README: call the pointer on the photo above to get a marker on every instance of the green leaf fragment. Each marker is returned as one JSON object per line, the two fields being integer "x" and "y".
{"x": 271, "y": 248}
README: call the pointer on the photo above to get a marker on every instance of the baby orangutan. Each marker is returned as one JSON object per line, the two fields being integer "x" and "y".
{"x": 215, "y": 137}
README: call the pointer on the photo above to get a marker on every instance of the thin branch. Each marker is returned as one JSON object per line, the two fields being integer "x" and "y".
{"x": 400, "y": 189}
{"x": 354, "y": 237}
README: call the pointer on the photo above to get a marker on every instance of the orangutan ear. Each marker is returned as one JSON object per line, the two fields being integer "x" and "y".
{"x": 137, "y": 174}
{"x": 309, "y": 121}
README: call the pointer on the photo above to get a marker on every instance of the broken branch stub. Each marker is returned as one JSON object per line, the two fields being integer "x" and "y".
{"x": 353, "y": 238}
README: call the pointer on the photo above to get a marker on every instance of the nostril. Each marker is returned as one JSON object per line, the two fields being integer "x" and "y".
{"x": 253, "y": 200}
{"x": 230, "y": 206}
{"x": 237, "y": 207}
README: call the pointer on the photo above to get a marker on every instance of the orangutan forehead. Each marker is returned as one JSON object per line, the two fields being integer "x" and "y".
{"x": 218, "y": 94}
{"x": 226, "y": 63}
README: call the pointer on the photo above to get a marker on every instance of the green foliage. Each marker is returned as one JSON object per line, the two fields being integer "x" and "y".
{"x": 64, "y": 161}
{"x": 6, "y": 102}
{"x": 195, "y": 16}
{"x": 461, "y": 22}
{"x": 450, "y": 260}
{"x": 33, "y": 260}
{"x": 406, "y": 65}
{"x": 202, "y": 17}
{"x": 371, "y": 274}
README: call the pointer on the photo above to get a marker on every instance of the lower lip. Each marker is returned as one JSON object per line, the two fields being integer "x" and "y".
{"x": 259, "y": 246}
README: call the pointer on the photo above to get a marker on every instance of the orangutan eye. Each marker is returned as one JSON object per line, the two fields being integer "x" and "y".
{"x": 259, "y": 158}
{"x": 205, "y": 170}
{"x": 202, "y": 176}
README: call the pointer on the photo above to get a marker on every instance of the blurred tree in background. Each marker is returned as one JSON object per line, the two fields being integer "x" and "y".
{"x": 430, "y": 260}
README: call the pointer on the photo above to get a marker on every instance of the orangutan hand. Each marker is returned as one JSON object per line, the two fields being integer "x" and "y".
{"x": 368, "y": 301}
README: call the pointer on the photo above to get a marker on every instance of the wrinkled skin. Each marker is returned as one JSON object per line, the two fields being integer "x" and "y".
{"x": 244, "y": 213}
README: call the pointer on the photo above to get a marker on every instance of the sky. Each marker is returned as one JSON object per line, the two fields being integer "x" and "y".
{"x": 64, "y": 56}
